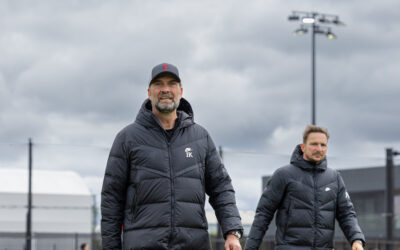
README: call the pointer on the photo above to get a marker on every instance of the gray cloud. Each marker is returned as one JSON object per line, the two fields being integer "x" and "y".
{"x": 76, "y": 72}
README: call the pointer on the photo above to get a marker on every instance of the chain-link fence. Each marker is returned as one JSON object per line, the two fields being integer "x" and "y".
{"x": 17, "y": 241}
{"x": 339, "y": 244}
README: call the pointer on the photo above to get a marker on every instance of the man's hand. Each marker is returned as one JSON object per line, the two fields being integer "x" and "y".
{"x": 232, "y": 243}
{"x": 357, "y": 245}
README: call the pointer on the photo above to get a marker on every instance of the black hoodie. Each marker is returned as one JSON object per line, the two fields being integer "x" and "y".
{"x": 307, "y": 197}
{"x": 155, "y": 186}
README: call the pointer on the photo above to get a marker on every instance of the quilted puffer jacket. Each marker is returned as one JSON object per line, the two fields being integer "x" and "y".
{"x": 156, "y": 187}
{"x": 306, "y": 198}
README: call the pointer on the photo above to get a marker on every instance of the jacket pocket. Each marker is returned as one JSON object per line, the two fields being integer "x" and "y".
{"x": 202, "y": 172}
{"x": 202, "y": 179}
{"x": 134, "y": 204}
{"x": 203, "y": 217}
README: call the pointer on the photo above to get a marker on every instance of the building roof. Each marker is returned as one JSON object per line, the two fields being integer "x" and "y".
{"x": 43, "y": 182}
{"x": 368, "y": 179}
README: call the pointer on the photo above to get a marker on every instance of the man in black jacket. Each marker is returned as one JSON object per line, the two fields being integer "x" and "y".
{"x": 307, "y": 196}
{"x": 159, "y": 169}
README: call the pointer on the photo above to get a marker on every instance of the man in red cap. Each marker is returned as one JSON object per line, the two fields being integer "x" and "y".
{"x": 158, "y": 173}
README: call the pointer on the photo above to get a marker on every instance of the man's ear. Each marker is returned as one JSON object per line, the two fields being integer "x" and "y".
{"x": 302, "y": 147}
{"x": 148, "y": 92}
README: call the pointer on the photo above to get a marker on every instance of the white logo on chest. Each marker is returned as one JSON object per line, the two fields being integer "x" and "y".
{"x": 327, "y": 189}
{"x": 189, "y": 153}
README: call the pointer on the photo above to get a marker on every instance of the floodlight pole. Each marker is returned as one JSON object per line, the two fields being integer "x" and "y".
{"x": 316, "y": 19}
{"x": 29, "y": 214}
{"x": 313, "y": 74}
{"x": 390, "y": 197}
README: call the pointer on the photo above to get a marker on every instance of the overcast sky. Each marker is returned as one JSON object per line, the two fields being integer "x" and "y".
{"x": 73, "y": 73}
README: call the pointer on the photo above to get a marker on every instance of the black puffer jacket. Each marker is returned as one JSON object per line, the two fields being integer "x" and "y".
{"x": 307, "y": 198}
{"x": 156, "y": 187}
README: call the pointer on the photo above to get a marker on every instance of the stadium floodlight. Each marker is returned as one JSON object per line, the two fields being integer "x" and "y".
{"x": 314, "y": 21}
{"x": 308, "y": 20}
{"x": 330, "y": 35}
{"x": 338, "y": 22}
{"x": 323, "y": 19}
{"x": 293, "y": 17}
{"x": 301, "y": 31}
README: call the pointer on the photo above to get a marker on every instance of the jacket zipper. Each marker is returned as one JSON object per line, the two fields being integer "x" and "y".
{"x": 172, "y": 175}
{"x": 315, "y": 208}
{"x": 204, "y": 191}
{"x": 172, "y": 195}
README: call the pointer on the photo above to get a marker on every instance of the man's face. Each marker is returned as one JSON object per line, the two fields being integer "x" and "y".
{"x": 165, "y": 93}
{"x": 314, "y": 149}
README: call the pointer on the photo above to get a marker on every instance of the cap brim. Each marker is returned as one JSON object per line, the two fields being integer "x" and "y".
{"x": 164, "y": 74}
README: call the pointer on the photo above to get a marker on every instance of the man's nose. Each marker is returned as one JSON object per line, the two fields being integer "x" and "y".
{"x": 165, "y": 89}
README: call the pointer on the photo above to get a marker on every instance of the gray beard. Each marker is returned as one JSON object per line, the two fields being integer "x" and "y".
{"x": 166, "y": 109}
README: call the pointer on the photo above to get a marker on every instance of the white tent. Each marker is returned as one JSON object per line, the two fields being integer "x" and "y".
{"x": 61, "y": 202}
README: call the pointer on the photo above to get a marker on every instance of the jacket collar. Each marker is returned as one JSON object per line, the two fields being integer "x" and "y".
{"x": 298, "y": 161}
{"x": 146, "y": 118}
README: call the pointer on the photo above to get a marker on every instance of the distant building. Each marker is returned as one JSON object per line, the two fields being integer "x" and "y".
{"x": 366, "y": 187}
{"x": 61, "y": 214}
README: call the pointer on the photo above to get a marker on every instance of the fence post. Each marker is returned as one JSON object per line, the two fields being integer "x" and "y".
{"x": 76, "y": 241}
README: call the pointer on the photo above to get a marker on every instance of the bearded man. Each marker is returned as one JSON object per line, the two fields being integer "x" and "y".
{"x": 157, "y": 176}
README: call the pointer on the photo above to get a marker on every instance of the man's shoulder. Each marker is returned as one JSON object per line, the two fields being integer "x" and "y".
{"x": 130, "y": 128}
{"x": 332, "y": 173}
{"x": 333, "y": 170}
{"x": 131, "y": 131}
{"x": 198, "y": 129}
{"x": 284, "y": 170}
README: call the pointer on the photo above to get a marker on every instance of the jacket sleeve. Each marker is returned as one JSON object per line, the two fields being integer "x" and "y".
{"x": 346, "y": 215}
{"x": 113, "y": 195}
{"x": 268, "y": 204}
{"x": 219, "y": 188}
